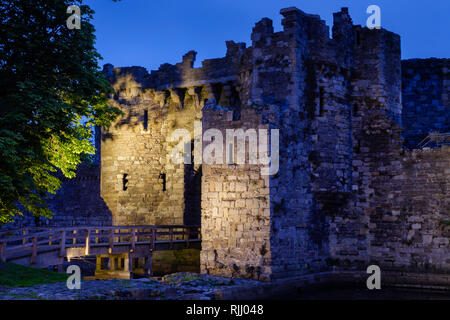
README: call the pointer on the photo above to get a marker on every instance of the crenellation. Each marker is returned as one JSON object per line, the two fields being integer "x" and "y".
{"x": 352, "y": 188}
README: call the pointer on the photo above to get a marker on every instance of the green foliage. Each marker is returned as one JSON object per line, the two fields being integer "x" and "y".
{"x": 445, "y": 222}
{"x": 52, "y": 93}
{"x": 14, "y": 275}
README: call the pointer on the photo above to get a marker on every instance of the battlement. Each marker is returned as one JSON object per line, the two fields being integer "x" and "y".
{"x": 346, "y": 192}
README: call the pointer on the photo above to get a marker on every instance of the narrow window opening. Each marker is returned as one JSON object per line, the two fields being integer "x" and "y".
{"x": 358, "y": 38}
{"x": 358, "y": 147}
{"x": 124, "y": 182}
{"x": 217, "y": 92}
{"x": 162, "y": 176}
{"x": 355, "y": 109}
{"x": 145, "y": 119}
{"x": 321, "y": 101}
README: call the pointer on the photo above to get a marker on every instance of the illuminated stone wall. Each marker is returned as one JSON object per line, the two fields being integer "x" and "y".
{"x": 139, "y": 182}
{"x": 348, "y": 192}
{"x": 236, "y": 219}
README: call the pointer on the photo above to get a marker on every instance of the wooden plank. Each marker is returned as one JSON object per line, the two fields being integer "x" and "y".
{"x": 148, "y": 269}
{"x": 168, "y": 235}
{"x": 128, "y": 264}
{"x": 87, "y": 244}
{"x": 111, "y": 240}
{"x": 34, "y": 251}
{"x": 62, "y": 244}
{"x": 153, "y": 238}
{"x": 3, "y": 251}
{"x": 24, "y": 233}
{"x": 133, "y": 239}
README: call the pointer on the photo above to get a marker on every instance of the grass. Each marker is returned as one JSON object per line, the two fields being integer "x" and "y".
{"x": 14, "y": 275}
{"x": 187, "y": 278}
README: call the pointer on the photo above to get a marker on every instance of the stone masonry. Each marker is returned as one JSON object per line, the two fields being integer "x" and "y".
{"x": 352, "y": 189}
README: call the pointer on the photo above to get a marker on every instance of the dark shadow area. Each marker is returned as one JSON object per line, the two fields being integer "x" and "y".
{"x": 192, "y": 195}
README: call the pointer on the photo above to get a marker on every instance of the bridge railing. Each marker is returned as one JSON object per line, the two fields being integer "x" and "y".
{"x": 436, "y": 138}
{"x": 17, "y": 241}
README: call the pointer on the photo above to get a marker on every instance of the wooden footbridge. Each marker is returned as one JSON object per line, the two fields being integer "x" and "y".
{"x": 43, "y": 247}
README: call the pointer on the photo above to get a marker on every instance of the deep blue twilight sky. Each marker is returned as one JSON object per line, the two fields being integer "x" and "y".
{"x": 151, "y": 32}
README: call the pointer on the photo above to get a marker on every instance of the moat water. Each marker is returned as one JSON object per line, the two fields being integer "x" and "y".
{"x": 365, "y": 294}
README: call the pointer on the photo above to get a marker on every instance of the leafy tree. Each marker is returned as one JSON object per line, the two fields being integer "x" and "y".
{"x": 52, "y": 93}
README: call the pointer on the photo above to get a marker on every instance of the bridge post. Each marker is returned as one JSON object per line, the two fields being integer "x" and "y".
{"x": 24, "y": 232}
{"x": 87, "y": 248}
{"x": 111, "y": 240}
{"x": 133, "y": 240}
{"x": 62, "y": 244}
{"x": 2, "y": 252}
{"x": 34, "y": 251}
{"x": 153, "y": 238}
{"x": 128, "y": 265}
{"x": 112, "y": 263}
{"x": 148, "y": 269}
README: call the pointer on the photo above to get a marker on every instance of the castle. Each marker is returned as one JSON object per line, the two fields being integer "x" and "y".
{"x": 352, "y": 189}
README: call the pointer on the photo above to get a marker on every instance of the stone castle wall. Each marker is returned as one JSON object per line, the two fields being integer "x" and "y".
{"x": 426, "y": 104}
{"x": 351, "y": 189}
{"x": 140, "y": 183}
{"x": 236, "y": 217}
{"x": 394, "y": 215}
{"x": 77, "y": 203}
{"x": 345, "y": 194}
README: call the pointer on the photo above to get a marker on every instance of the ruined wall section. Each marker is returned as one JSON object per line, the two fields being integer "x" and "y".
{"x": 299, "y": 81}
{"x": 315, "y": 177}
{"x": 329, "y": 70}
{"x": 408, "y": 224}
{"x": 426, "y": 106}
{"x": 140, "y": 182}
{"x": 271, "y": 77}
{"x": 78, "y": 202}
{"x": 394, "y": 217}
{"x": 328, "y": 93}
{"x": 134, "y": 160}
{"x": 279, "y": 83}
{"x": 408, "y": 205}
{"x": 235, "y": 207}
{"x": 374, "y": 98}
